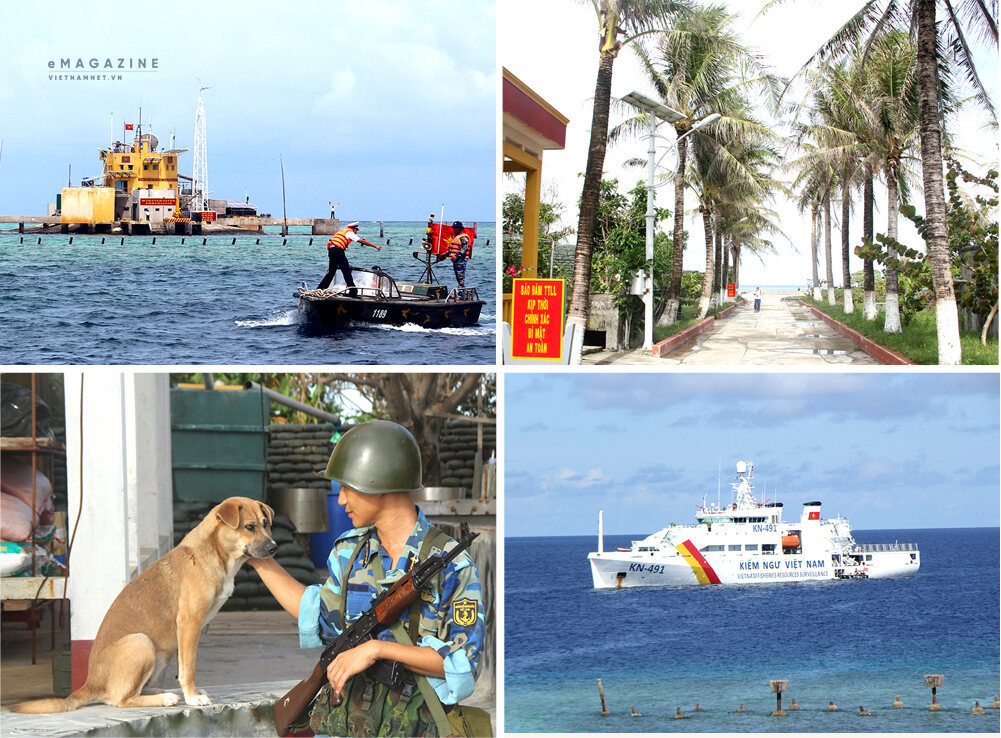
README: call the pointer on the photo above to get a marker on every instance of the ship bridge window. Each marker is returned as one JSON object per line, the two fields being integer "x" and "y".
{"x": 750, "y": 546}
{"x": 755, "y": 520}
{"x": 868, "y": 557}
{"x": 733, "y": 547}
{"x": 767, "y": 548}
{"x": 711, "y": 548}
{"x": 648, "y": 548}
{"x": 740, "y": 520}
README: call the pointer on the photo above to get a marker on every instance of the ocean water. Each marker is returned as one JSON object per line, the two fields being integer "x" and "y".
{"x": 856, "y": 642}
{"x": 218, "y": 303}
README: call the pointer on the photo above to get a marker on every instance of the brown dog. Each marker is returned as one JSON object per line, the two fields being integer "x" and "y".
{"x": 164, "y": 610}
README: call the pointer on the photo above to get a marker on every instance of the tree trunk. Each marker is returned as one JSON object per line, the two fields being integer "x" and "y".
{"x": 936, "y": 233}
{"x": 736, "y": 263}
{"x": 725, "y": 273}
{"x": 589, "y": 205}
{"x": 869, "y": 311}
{"x": 717, "y": 265}
{"x": 814, "y": 240}
{"x": 674, "y": 291}
{"x": 831, "y": 300}
{"x": 846, "y": 272}
{"x": 891, "y": 322}
{"x": 707, "y": 281}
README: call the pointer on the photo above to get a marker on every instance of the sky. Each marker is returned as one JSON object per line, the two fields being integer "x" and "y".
{"x": 388, "y": 107}
{"x": 885, "y": 450}
{"x": 787, "y": 35}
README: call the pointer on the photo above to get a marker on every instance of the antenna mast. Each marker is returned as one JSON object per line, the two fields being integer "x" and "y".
{"x": 201, "y": 164}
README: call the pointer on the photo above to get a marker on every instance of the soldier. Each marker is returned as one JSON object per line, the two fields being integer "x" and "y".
{"x": 378, "y": 465}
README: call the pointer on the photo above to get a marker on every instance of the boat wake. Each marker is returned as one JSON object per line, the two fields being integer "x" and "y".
{"x": 278, "y": 317}
{"x": 475, "y": 330}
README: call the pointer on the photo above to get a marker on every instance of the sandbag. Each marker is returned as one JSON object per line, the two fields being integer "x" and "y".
{"x": 15, "y": 519}
{"x": 15, "y": 479}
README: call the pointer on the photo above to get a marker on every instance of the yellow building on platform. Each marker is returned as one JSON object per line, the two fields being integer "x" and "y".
{"x": 140, "y": 166}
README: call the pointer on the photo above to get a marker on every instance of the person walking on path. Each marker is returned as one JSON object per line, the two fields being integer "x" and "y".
{"x": 757, "y": 299}
{"x": 337, "y": 256}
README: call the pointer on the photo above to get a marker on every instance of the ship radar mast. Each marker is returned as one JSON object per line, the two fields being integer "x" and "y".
{"x": 742, "y": 487}
{"x": 200, "y": 186}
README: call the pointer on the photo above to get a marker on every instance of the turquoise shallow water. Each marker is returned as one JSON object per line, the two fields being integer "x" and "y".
{"x": 218, "y": 303}
{"x": 855, "y": 642}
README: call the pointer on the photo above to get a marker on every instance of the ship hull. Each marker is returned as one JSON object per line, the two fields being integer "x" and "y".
{"x": 617, "y": 569}
{"x": 340, "y": 312}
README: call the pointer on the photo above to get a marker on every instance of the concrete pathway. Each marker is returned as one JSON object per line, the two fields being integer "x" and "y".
{"x": 783, "y": 334}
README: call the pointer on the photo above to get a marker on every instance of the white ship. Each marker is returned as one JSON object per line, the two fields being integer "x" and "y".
{"x": 748, "y": 542}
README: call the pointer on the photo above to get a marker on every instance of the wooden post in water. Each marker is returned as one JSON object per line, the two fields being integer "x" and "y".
{"x": 934, "y": 681}
{"x": 601, "y": 691}
{"x": 778, "y": 686}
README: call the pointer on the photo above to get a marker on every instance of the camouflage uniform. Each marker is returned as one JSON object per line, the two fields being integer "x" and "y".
{"x": 450, "y": 621}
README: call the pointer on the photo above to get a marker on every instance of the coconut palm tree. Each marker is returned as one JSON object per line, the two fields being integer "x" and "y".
{"x": 620, "y": 23}
{"x": 937, "y": 45}
{"x": 700, "y": 67}
{"x": 732, "y": 167}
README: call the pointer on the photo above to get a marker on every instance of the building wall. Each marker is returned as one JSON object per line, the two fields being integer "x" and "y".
{"x": 89, "y": 205}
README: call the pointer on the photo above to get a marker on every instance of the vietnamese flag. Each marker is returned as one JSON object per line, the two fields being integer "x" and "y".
{"x": 129, "y": 126}
{"x": 814, "y": 515}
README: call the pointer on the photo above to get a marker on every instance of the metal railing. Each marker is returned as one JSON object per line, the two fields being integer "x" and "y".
{"x": 873, "y": 547}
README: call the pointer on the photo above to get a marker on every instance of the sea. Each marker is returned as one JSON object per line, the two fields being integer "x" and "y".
{"x": 853, "y": 642}
{"x": 219, "y": 302}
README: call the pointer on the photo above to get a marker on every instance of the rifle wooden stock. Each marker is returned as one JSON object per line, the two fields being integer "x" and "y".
{"x": 298, "y": 699}
{"x": 398, "y": 599}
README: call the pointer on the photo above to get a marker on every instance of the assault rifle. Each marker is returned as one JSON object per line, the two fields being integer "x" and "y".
{"x": 385, "y": 610}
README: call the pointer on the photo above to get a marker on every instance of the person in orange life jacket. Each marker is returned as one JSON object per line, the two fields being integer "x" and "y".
{"x": 336, "y": 254}
{"x": 458, "y": 247}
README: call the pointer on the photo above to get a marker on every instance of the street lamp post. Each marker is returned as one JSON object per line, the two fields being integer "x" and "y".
{"x": 656, "y": 111}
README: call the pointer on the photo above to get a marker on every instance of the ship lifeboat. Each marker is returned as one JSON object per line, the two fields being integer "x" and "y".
{"x": 790, "y": 541}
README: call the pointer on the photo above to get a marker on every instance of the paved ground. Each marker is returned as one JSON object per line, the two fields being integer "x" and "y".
{"x": 245, "y": 660}
{"x": 783, "y": 334}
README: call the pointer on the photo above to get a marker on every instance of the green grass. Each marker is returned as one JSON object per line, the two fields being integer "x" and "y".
{"x": 688, "y": 318}
{"x": 918, "y": 340}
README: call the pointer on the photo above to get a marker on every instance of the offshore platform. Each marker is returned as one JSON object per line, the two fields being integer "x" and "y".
{"x": 141, "y": 191}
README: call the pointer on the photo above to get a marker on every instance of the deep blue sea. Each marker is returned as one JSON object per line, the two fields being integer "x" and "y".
{"x": 218, "y": 303}
{"x": 856, "y": 642}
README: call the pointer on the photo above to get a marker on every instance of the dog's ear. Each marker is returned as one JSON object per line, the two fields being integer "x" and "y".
{"x": 269, "y": 514}
{"x": 229, "y": 513}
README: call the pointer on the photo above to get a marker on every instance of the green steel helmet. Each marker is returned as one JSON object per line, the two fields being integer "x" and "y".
{"x": 377, "y": 457}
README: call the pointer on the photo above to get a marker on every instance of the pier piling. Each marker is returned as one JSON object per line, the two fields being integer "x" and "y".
{"x": 204, "y": 241}
{"x": 71, "y": 240}
{"x": 182, "y": 240}
{"x": 380, "y": 231}
{"x": 934, "y": 681}
{"x": 601, "y": 692}
{"x": 234, "y": 241}
{"x": 154, "y": 240}
{"x": 284, "y": 241}
{"x": 39, "y": 240}
{"x": 310, "y": 241}
{"x": 778, "y": 686}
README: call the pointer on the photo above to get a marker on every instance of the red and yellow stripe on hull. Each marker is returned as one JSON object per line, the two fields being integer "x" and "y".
{"x": 700, "y": 567}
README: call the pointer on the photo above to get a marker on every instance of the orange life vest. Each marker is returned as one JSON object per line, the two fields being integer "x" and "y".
{"x": 339, "y": 239}
{"x": 459, "y": 246}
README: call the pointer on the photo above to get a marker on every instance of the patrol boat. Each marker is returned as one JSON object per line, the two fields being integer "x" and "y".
{"x": 747, "y": 542}
{"x": 378, "y": 298}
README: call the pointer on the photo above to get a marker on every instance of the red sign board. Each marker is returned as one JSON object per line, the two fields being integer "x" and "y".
{"x": 206, "y": 216}
{"x": 731, "y": 289}
{"x": 158, "y": 201}
{"x": 537, "y": 319}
